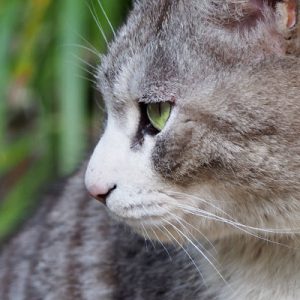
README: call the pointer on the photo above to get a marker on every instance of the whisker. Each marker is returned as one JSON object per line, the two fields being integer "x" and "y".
{"x": 92, "y": 47}
{"x": 85, "y": 71}
{"x": 155, "y": 236}
{"x": 100, "y": 107}
{"x": 199, "y": 244}
{"x": 93, "y": 13}
{"x": 86, "y": 64}
{"x": 204, "y": 201}
{"x": 231, "y": 222}
{"x": 203, "y": 235}
{"x": 268, "y": 230}
{"x": 106, "y": 17}
{"x": 162, "y": 244}
{"x": 199, "y": 250}
{"x": 85, "y": 79}
{"x": 84, "y": 48}
{"x": 145, "y": 239}
{"x": 148, "y": 237}
{"x": 211, "y": 216}
{"x": 88, "y": 72}
{"x": 179, "y": 244}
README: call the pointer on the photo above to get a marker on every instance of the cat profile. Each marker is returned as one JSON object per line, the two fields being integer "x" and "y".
{"x": 200, "y": 155}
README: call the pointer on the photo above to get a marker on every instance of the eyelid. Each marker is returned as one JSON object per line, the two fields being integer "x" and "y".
{"x": 148, "y": 100}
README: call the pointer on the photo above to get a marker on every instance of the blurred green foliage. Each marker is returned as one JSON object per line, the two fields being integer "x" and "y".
{"x": 47, "y": 50}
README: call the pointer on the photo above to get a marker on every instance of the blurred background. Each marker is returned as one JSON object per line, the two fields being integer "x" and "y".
{"x": 48, "y": 102}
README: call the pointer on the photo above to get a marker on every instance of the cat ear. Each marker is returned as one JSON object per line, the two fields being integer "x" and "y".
{"x": 288, "y": 10}
{"x": 284, "y": 10}
{"x": 278, "y": 18}
{"x": 287, "y": 15}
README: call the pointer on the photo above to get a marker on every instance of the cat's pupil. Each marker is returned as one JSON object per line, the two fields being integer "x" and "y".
{"x": 158, "y": 114}
{"x": 145, "y": 123}
{"x": 144, "y": 127}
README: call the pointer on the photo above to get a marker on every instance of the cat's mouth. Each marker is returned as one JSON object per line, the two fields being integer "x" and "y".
{"x": 140, "y": 215}
{"x": 154, "y": 227}
{"x": 155, "y": 221}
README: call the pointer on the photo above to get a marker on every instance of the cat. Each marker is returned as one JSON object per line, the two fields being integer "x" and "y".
{"x": 200, "y": 157}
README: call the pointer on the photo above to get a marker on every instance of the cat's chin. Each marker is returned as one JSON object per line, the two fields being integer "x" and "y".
{"x": 167, "y": 230}
{"x": 159, "y": 232}
{"x": 148, "y": 222}
{"x": 162, "y": 230}
{"x": 151, "y": 227}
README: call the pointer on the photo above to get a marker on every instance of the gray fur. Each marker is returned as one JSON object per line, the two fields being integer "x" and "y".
{"x": 231, "y": 148}
{"x": 71, "y": 250}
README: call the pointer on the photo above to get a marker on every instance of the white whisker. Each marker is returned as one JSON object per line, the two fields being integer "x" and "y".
{"x": 199, "y": 250}
{"x": 177, "y": 218}
{"x": 86, "y": 79}
{"x": 266, "y": 230}
{"x": 148, "y": 237}
{"x": 179, "y": 244}
{"x": 100, "y": 107}
{"x": 162, "y": 244}
{"x": 106, "y": 17}
{"x": 93, "y": 13}
{"x": 210, "y": 216}
{"x": 144, "y": 237}
{"x": 86, "y": 63}
{"x": 92, "y": 47}
{"x": 84, "y": 48}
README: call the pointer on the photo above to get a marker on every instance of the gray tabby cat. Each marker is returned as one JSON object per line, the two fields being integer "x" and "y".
{"x": 201, "y": 152}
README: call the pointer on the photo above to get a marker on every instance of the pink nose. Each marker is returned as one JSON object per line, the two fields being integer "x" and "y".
{"x": 100, "y": 192}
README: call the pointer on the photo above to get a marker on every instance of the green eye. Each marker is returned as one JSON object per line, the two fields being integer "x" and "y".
{"x": 158, "y": 114}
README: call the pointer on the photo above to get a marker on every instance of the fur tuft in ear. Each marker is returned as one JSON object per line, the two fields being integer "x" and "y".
{"x": 289, "y": 7}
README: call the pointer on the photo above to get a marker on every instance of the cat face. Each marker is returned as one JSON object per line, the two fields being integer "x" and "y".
{"x": 202, "y": 135}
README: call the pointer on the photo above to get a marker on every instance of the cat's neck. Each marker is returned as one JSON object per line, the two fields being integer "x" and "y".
{"x": 255, "y": 269}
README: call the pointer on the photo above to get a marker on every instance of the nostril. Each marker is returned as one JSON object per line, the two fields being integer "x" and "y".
{"x": 101, "y": 193}
{"x": 102, "y": 197}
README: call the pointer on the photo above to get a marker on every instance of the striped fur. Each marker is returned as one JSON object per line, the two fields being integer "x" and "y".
{"x": 226, "y": 165}
{"x": 72, "y": 250}
{"x": 59, "y": 255}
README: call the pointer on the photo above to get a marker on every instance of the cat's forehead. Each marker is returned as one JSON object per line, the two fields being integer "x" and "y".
{"x": 170, "y": 46}
{"x": 160, "y": 53}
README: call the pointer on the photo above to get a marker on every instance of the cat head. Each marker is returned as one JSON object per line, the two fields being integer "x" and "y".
{"x": 202, "y": 134}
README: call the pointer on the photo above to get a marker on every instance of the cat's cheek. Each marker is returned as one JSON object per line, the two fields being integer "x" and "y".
{"x": 179, "y": 160}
